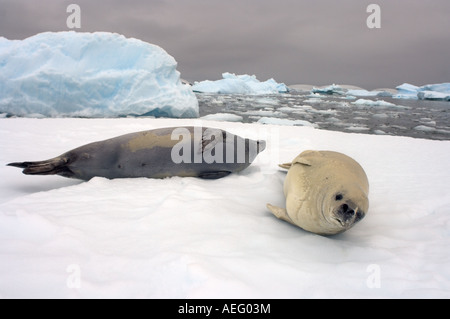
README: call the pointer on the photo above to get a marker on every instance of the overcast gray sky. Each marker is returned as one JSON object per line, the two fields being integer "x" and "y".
{"x": 294, "y": 41}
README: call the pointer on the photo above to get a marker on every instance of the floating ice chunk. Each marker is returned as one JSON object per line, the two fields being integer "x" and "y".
{"x": 442, "y": 87}
{"x": 425, "y": 128}
{"x": 357, "y": 128}
{"x": 404, "y": 96}
{"x": 386, "y": 92}
{"x": 72, "y": 74}
{"x": 240, "y": 84}
{"x": 265, "y": 113}
{"x": 349, "y": 90}
{"x": 372, "y": 103}
{"x": 406, "y": 91}
{"x": 433, "y": 95}
{"x": 360, "y": 93}
{"x": 331, "y": 89}
{"x": 407, "y": 88}
{"x": 367, "y": 93}
{"x": 225, "y": 117}
{"x": 287, "y": 109}
{"x": 265, "y": 101}
{"x": 426, "y": 92}
{"x": 278, "y": 121}
{"x": 313, "y": 100}
{"x": 434, "y": 92}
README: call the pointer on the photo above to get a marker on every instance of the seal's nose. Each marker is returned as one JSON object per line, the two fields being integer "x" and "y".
{"x": 346, "y": 212}
{"x": 349, "y": 214}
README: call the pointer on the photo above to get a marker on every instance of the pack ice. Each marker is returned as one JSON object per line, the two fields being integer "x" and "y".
{"x": 72, "y": 74}
{"x": 438, "y": 92}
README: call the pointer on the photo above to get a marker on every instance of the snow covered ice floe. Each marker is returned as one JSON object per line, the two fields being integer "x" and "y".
{"x": 362, "y": 92}
{"x": 226, "y": 117}
{"x": 72, "y": 74}
{"x": 372, "y": 103}
{"x": 193, "y": 238}
{"x": 279, "y": 121}
{"x": 239, "y": 84}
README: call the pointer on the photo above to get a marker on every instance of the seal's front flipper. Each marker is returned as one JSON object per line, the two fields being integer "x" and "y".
{"x": 214, "y": 175}
{"x": 280, "y": 213}
{"x": 54, "y": 166}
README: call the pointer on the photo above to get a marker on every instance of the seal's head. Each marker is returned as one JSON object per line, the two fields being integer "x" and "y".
{"x": 344, "y": 208}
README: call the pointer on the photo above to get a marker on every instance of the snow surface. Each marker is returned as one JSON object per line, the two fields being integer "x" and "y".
{"x": 72, "y": 74}
{"x": 193, "y": 238}
{"x": 239, "y": 84}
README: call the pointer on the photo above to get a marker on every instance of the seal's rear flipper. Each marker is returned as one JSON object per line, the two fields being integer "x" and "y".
{"x": 286, "y": 165}
{"x": 54, "y": 166}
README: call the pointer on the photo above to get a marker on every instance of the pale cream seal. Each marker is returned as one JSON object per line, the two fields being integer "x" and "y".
{"x": 326, "y": 192}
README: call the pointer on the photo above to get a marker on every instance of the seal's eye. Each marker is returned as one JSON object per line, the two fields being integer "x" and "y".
{"x": 339, "y": 197}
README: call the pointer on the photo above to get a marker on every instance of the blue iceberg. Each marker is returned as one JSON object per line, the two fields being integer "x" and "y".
{"x": 435, "y": 92}
{"x": 440, "y": 92}
{"x": 433, "y": 95}
{"x": 348, "y": 91}
{"x": 72, "y": 74}
{"x": 240, "y": 84}
{"x": 406, "y": 91}
{"x": 331, "y": 89}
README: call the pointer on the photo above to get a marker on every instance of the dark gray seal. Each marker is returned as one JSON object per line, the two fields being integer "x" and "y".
{"x": 175, "y": 151}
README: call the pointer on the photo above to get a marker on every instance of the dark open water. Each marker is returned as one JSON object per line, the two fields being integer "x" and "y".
{"x": 413, "y": 118}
